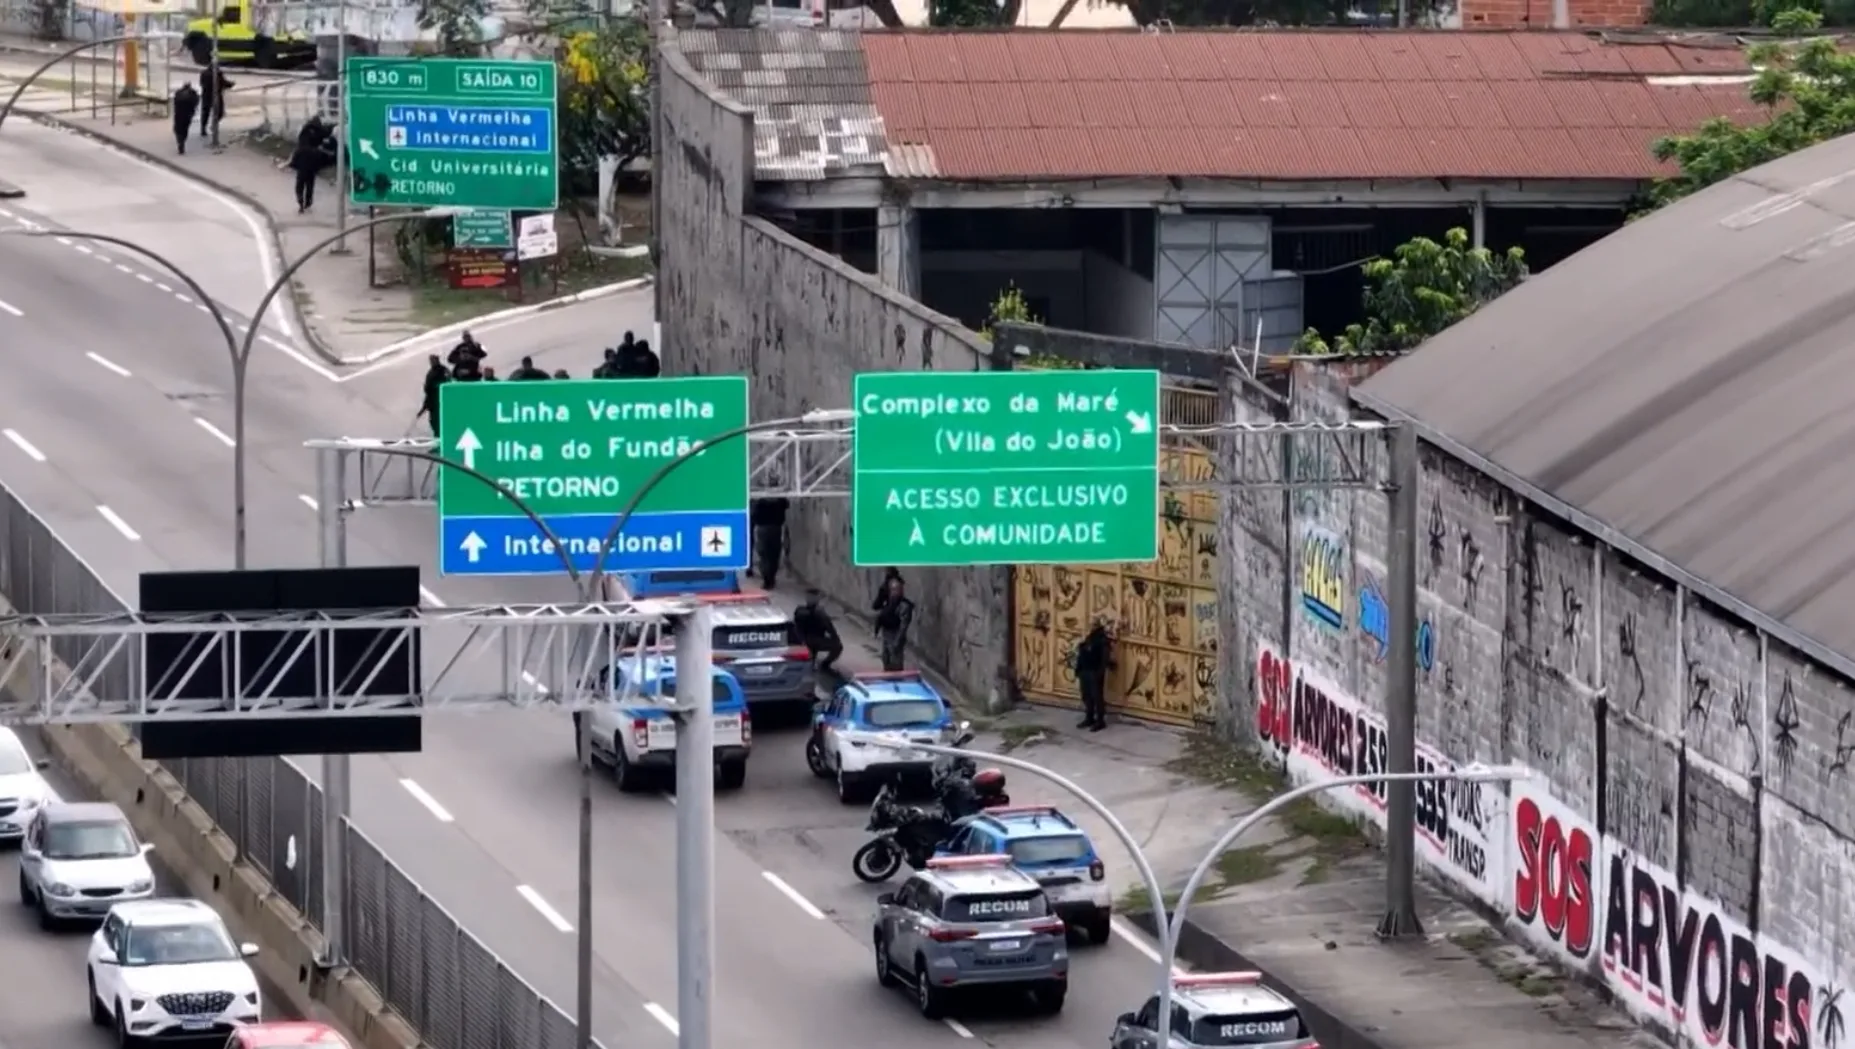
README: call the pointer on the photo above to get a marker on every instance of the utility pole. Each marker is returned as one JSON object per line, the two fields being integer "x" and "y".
{"x": 340, "y": 92}
{"x": 695, "y": 831}
{"x": 1400, "y": 918}
{"x": 657, "y": 17}
{"x": 333, "y": 544}
{"x": 212, "y": 73}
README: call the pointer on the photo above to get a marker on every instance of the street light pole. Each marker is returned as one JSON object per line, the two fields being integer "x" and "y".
{"x": 695, "y": 811}
{"x": 1168, "y": 950}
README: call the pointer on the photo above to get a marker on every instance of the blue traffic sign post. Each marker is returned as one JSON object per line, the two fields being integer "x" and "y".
{"x": 576, "y": 452}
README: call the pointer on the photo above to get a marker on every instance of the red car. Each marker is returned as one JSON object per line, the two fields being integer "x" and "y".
{"x": 287, "y": 1034}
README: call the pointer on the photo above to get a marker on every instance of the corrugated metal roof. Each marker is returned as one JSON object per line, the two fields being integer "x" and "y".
{"x": 1029, "y": 104}
{"x": 1685, "y": 382}
{"x": 814, "y": 115}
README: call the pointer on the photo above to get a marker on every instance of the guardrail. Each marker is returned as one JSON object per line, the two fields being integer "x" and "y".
{"x": 285, "y": 106}
{"x": 426, "y": 966}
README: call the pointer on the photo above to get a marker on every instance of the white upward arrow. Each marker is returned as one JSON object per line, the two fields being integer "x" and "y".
{"x": 472, "y": 546}
{"x": 468, "y": 444}
{"x": 1137, "y": 422}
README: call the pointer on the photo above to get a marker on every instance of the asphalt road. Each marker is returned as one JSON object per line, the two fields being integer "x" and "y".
{"x": 42, "y": 995}
{"x": 116, "y": 413}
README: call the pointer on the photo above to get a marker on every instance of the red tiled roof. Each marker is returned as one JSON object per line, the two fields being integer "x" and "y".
{"x": 1028, "y": 104}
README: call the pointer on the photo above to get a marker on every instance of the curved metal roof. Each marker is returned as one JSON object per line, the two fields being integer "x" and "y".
{"x": 1688, "y": 382}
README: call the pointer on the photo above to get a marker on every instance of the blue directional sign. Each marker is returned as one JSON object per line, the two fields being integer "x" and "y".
{"x": 576, "y": 452}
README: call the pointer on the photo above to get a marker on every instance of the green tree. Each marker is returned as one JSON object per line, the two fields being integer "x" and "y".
{"x": 1422, "y": 289}
{"x": 1806, "y": 87}
{"x": 459, "y": 25}
{"x": 973, "y": 14}
{"x": 604, "y": 95}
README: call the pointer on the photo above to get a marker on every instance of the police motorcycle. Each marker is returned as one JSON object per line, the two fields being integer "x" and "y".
{"x": 913, "y": 833}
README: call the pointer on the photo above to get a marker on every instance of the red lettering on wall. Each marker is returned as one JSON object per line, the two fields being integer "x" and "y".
{"x": 1552, "y": 881}
{"x": 1275, "y": 708}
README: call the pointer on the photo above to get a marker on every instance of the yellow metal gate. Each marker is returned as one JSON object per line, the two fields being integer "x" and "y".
{"x": 1163, "y": 615}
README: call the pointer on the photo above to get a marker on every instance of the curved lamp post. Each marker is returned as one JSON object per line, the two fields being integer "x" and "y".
{"x": 240, "y": 351}
{"x": 1167, "y": 929}
{"x": 20, "y": 90}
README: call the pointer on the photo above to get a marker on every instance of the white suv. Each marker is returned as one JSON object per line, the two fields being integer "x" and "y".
{"x": 80, "y": 859}
{"x": 164, "y": 969}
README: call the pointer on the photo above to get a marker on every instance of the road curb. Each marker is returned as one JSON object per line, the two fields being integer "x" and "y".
{"x": 1205, "y": 952}
{"x": 290, "y": 302}
{"x": 488, "y": 320}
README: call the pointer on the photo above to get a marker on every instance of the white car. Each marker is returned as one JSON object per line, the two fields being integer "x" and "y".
{"x": 22, "y": 788}
{"x": 80, "y": 859}
{"x": 165, "y": 969}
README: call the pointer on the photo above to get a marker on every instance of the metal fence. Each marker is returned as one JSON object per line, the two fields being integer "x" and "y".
{"x": 430, "y": 969}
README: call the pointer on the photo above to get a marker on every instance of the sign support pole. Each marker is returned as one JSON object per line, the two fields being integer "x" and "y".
{"x": 330, "y": 508}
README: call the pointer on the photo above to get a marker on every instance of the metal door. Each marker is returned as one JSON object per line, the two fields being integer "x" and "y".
{"x": 1200, "y": 264}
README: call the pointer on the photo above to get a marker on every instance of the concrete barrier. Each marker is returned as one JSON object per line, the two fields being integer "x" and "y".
{"x": 106, "y": 760}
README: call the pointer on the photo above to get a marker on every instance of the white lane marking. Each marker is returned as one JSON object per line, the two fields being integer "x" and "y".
{"x": 1134, "y": 939}
{"x": 430, "y": 598}
{"x": 85, "y": 248}
{"x": 439, "y": 812}
{"x": 183, "y": 296}
{"x": 12, "y": 309}
{"x": 202, "y": 307}
{"x": 791, "y": 894}
{"x": 66, "y": 241}
{"x": 164, "y": 287}
{"x": 534, "y": 900}
{"x": 121, "y": 525}
{"x": 300, "y": 357}
{"x": 662, "y": 1016}
{"x": 957, "y": 1027}
{"x": 24, "y": 445}
{"x": 532, "y": 680}
{"x": 123, "y": 268}
{"x": 216, "y": 432}
{"x": 144, "y": 278}
{"x": 107, "y": 363}
{"x": 311, "y": 503}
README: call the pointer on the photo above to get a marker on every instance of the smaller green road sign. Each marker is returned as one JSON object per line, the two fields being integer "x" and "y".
{"x": 977, "y": 468}
{"x": 477, "y": 228}
{"x": 576, "y": 452}
{"x": 448, "y": 132}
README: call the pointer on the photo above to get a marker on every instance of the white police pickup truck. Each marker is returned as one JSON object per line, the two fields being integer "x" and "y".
{"x": 636, "y": 736}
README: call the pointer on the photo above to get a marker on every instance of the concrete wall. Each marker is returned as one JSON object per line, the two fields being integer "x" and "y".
{"x": 1688, "y": 840}
{"x": 740, "y": 296}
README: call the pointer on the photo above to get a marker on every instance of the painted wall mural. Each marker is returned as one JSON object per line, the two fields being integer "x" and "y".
{"x": 1163, "y": 614}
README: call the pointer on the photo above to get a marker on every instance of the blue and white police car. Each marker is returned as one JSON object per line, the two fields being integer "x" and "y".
{"x": 1048, "y": 846}
{"x": 636, "y": 735}
{"x": 753, "y": 636}
{"x": 897, "y": 707}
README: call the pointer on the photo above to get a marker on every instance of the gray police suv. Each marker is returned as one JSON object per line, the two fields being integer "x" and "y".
{"x": 1217, "y": 1010}
{"x": 966, "y": 923}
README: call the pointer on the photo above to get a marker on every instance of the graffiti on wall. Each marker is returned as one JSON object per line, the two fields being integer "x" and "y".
{"x": 1671, "y": 957}
{"x": 1163, "y": 613}
{"x": 1375, "y": 624}
{"x": 1323, "y": 576}
{"x": 1317, "y": 732}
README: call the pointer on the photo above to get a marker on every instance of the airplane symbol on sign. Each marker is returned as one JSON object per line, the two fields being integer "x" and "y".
{"x": 717, "y": 541}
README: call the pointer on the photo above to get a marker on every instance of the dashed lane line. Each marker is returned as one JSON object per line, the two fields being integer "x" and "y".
{"x": 116, "y": 522}
{"x": 107, "y": 363}
{"x": 553, "y": 916}
{"x": 24, "y": 445}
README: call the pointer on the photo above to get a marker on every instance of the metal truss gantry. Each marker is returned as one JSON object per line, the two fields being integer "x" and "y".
{"x": 130, "y": 666}
{"x": 815, "y": 462}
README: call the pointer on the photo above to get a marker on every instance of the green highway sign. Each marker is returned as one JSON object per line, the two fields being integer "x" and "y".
{"x": 450, "y": 132}
{"x": 1024, "y": 467}
{"x": 480, "y": 228}
{"x": 576, "y": 452}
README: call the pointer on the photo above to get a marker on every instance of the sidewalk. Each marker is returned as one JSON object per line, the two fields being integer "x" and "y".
{"x": 1299, "y": 899}
{"x": 345, "y": 318}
